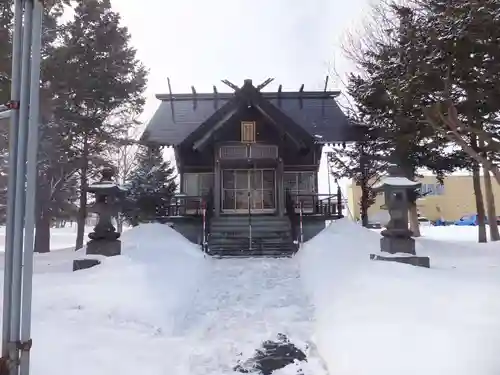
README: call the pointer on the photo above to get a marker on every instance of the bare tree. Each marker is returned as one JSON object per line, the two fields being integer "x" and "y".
{"x": 380, "y": 31}
{"x": 467, "y": 138}
{"x": 122, "y": 157}
{"x": 444, "y": 118}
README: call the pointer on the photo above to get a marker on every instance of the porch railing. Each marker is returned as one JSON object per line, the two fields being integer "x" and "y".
{"x": 319, "y": 204}
{"x": 185, "y": 206}
{"x": 252, "y": 151}
{"x": 257, "y": 151}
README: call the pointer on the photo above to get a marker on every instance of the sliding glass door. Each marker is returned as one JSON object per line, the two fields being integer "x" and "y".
{"x": 248, "y": 189}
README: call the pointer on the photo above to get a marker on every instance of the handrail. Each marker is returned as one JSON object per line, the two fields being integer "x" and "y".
{"x": 204, "y": 244}
{"x": 208, "y": 211}
{"x": 319, "y": 204}
{"x": 301, "y": 227}
{"x": 292, "y": 215}
{"x": 249, "y": 223}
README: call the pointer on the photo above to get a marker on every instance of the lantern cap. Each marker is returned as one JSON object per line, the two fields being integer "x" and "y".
{"x": 106, "y": 184}
{"x": 397, "y": 182}
{"x": 396, "y": 178}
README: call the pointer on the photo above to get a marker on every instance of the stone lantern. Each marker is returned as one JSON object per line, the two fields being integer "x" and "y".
{"x": 104, "y": 239}
{"x": 397, "y": 239}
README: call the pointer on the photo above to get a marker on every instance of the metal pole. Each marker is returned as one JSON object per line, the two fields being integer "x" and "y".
{"x": 204, "y": 227}
{"x": 31, "y": 183}
{"x": 329, "y": 172}
{"x": 301, "y": 228}
{"x": 249, "y": 223}
{"x": 11, "y": 191}
{"x": 19, "y": 204}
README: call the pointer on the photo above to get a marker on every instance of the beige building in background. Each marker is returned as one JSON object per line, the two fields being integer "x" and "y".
{"x": 452, "y": 200}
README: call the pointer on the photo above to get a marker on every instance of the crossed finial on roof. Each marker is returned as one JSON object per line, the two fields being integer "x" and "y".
{"x": 247, "y": 82}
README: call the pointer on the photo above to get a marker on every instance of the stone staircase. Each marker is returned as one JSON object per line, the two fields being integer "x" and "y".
{"x": 271, "y": 236}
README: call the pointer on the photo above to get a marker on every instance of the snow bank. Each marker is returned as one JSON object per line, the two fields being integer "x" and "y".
{"x": 115, "y": 317}
{"x": 452, "y": 233}
{"x": 386, "y": 318}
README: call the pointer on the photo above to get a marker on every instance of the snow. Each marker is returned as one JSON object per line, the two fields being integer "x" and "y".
{"x": 60, "y": 238}
{"x": 4, "y": 115}
{"x": 106, "y": 185}
{"x": 163, "y": 307}
{"x": 396, "y": 181}
{"x": 452, "y": 233}
{"x": 388, "y": 318}
{"x": 119, "y": 316}
{"x": 243, "y": 303}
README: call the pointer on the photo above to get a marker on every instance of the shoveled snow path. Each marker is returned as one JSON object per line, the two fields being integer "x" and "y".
{"x": 243, "y": 303}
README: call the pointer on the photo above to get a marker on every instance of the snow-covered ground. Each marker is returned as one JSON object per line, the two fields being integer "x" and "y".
{"x": 118, "y": 317}
{"x": 388, "y": 318}
{"x": 162, "y": 307}
{"x": 60, "y": 238}
{"x": 242, "y": 304}
{"x": 452, "y": 233}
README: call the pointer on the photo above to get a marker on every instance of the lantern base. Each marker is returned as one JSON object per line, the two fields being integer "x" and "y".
{"x": 412, "y": 260}
{"x": 393, "y": 245}
{"x": 83, "y": 264}
{"x": 108, "y": 248}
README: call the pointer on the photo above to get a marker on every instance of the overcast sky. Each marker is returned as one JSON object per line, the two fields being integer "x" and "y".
{"x": 200, "y": 42}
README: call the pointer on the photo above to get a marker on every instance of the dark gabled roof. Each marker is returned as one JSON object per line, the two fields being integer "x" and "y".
{"x": 321, "y": 117}
{"x": 316, "y": 113}
{"x": 174, "y": 119}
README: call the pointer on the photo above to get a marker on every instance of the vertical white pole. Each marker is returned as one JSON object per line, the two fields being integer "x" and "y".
{"x": 301, "y": 227}
{"x": 20, "y": 201}
{"x": 11, "y": 191}
{"x": 249, "y": 222}
{"x": 31, "y": 184}
{"x": 204, "y": 213}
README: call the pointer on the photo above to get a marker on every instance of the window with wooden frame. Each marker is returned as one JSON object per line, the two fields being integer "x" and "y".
{"x": 248, "y": 132}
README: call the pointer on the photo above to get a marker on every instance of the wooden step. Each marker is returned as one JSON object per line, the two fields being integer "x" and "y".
{"x": 271, "y": 253}
{"x": 271, "y": 236}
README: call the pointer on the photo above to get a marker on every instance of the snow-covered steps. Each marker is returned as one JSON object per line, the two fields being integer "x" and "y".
{"x": 251, "y": 254}
{"x": 242, "y": 305}
{"x": 259, "y": 235}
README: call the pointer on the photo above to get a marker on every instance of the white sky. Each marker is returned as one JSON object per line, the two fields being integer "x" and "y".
{"x": 200, "y": 42}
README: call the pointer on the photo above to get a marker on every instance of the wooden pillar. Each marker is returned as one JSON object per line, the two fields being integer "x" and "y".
{"x": 217, "y": 188}
{"x": 181, "y": 182}
{"x": 280, "y": 193}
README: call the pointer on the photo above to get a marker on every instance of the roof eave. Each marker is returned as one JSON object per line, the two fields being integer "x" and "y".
{"x": 285, "y": 95}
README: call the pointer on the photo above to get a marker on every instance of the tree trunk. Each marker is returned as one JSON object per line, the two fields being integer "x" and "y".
{"x": 490, "y": 206}
{"x": 413, "y": 217}
{"x": 82, "y": 211}
{"x": 490, "y": 200}
{"x": 363, "y": 204}
{"x": 476, "y": 181}
{"x": 476, "y": 178}
{"x": 42, "y": 233}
